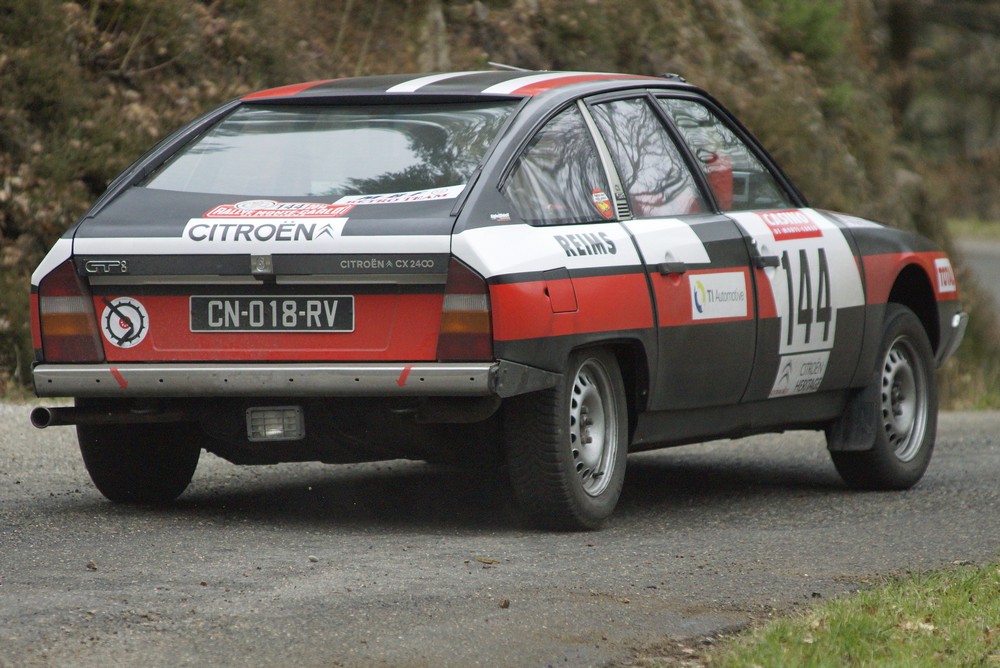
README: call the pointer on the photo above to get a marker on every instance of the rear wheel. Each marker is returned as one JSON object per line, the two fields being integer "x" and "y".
{"x": 139, "y": 463}
{"x": 906, "y": 413}
{"x": 567, "y": 446}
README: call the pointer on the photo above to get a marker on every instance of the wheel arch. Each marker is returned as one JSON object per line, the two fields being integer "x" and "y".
{"x": 878, "y": 443}
{"x": 913, "y": 289}
{"x": 633, "y": 363}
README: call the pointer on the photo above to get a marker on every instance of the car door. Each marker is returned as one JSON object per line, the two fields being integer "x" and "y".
{"x": 696, "y": 260}
{"x": 809, "y": 284}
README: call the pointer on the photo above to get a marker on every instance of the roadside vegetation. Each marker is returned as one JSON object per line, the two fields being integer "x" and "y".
{"x": 945, "y": 618}
{"x": 972, "y": 380}
{"x": 974, "y": 229}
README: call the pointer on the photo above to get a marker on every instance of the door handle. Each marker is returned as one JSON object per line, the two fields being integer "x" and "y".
{"x": 667, "y": 268}
{"x": 759, "y": 259}
{"x": 763, "y": 261}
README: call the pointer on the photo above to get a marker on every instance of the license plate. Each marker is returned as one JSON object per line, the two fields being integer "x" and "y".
{"x": 238, "y": 313}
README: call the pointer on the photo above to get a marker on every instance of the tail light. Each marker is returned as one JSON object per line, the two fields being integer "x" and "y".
{"x": 466, "y": 333}
{"x": 66, "y": 318}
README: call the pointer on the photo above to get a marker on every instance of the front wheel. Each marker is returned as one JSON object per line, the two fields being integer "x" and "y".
{"x": 139, "y": 463}
{"x": 906, "y": 415}
{"x": 567, "y": 447}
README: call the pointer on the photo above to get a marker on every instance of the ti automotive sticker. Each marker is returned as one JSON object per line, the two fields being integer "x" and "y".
{"x": 718, "y": 296}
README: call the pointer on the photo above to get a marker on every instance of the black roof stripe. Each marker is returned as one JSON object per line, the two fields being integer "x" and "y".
{"x": 474, "y": 82}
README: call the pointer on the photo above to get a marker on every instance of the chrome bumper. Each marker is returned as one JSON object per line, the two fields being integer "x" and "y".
{"x": 503, "y": 379}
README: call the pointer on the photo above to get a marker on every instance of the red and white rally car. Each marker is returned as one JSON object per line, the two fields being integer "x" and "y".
{"x": 560, "y": 267}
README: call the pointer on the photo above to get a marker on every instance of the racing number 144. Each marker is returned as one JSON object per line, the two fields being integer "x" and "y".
{"x": 800, "y": 300}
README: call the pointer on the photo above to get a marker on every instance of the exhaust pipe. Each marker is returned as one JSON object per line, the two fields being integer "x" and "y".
{"x": 43, "y": 416}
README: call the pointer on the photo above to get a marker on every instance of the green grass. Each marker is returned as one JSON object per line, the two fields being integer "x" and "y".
{"x": 974, "y": 228}
{"x": 946, "y": 618}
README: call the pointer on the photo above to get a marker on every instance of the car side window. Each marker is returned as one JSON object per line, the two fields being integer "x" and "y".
{"x": 558, "y": 178}
{"x": 737, "y": 177}
{"x": 649, "y": 163}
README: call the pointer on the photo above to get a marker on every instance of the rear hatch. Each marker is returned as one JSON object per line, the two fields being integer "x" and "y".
{"x": 182, "y": 277}
{"x": 295, "y": 232}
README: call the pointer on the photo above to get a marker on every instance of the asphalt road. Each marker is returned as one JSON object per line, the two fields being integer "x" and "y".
{"x": 406, "y": 565}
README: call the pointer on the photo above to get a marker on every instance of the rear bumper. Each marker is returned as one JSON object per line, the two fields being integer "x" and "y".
{"x": 473, "y": 379}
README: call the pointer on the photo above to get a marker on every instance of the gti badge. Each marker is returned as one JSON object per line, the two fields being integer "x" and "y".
{"x": 106, "y": 266}
{"x": 124, "y": 322}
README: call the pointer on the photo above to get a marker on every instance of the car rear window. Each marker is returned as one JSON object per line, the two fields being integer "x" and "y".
{"x": 336, "y": 151}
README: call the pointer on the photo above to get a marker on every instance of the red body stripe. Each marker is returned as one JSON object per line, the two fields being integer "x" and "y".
{"x": 542, "y": 86}
{"x": 606, "y": 303}
{"x": 386, "y": 328}
{"x": 119, "y": 377}
{"x": 881, "y": 271}
{"x": 406, "y": 327}
{"x": 285, "y": 91}
{"x": 766, "y": 307}
{"x": 36, "y": 328}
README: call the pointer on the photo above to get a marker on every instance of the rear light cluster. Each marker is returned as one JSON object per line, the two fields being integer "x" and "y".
{"x": 466, "y": 333}
{"x": 66, "y": 318}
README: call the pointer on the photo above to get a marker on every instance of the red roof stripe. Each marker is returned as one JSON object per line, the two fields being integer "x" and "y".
{"x": 284, "y": 91}
{"x": 542, "y": 86}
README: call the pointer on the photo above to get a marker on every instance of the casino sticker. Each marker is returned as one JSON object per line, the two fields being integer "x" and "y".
{"x": 124, "y": 322}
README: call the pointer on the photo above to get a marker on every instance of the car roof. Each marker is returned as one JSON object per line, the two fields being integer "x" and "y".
{"x": 460, "y": 84}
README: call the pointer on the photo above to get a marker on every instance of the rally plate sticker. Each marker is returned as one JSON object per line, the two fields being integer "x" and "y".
{"x": 246, "y": 313}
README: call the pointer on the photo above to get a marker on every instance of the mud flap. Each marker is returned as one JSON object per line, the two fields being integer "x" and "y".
{"x": 511, "y": 379}
{"x": 855, "y": 429}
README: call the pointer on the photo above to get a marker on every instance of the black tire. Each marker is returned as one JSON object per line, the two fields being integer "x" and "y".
{"x": 567, "y": 447}
{"x": 148, "y": 464}
{"x": 906, "y": 425}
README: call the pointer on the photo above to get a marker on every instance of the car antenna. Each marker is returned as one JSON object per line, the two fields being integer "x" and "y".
{"x": 674, "y": 76}
{"x": 504, "y": 66}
